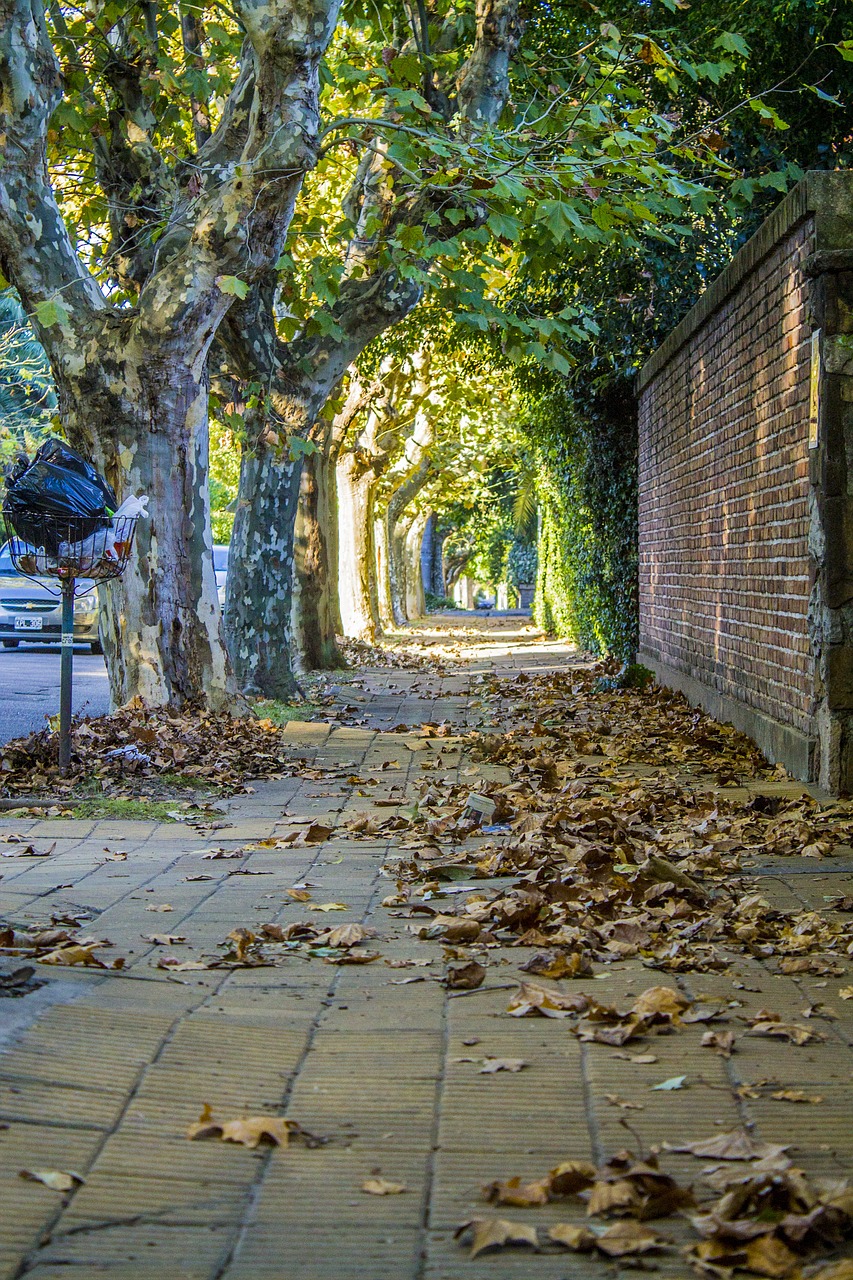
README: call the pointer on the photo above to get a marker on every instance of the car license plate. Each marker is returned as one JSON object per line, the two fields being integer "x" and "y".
{"x": 28, "y": 622}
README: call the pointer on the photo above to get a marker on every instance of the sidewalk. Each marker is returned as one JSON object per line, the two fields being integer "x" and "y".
{"x": 102, "y": 1071}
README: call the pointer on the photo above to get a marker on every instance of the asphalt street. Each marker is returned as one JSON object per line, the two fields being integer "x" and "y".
{"x": 29, "y": 687}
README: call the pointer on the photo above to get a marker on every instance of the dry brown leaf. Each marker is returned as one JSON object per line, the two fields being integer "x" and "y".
{"x": 465, "y": 977}
{"x": 347, "y": 935}
{"x": 56, "y": 1179}
{"x": 735, "y": 1145}
{"x": 72, "y": 955}
{"x": 496, "y": 1233}
{"x": 162, "y": 906}
{"x": 299, "y": 895}
{"x": 531, "y": 999}
{"x": 613, "y": 1100}
{"x": 331, "y": 906}
{"x": 492, "y": 1065}
{"x": 249, "y": 1131}
{"x": 549, "y": 964}
{"x": 793, "y": 1032}
{"x": 625, "y": 1238}
{"x": 355, "y": 955}
{"x": 521, "y": 1195}
{"x": 174, "y": 965}
{"x": 846, "y": 993}
{"x": 795, "y": 1095}
{"x": 770, "y": 1256}
{"x": 722, "y": 1042}
{"x": 570, "y": 1177}
{"x": 579, "y": 1239}
{"x": 660, "y": 1000}
{"x": 382, "y": 1187}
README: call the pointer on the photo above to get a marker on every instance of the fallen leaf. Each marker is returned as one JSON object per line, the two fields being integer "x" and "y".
{"x": 660, "y": 1000}
{"x": 625, "y": 1238}
{"x": 793, "y": 1032}
{"x": 795, "y": 1095}
{"x": 521, "y": 1195}
{"x": 299, "y": 895}
{"x": 465, "y": 977}
{"x": 347, "y": 935}
{"x": 163, "y": 906}
{"x": 639, "y": 1059}
{"x": 56, "y": 1179}
{"x": 331, "y": 906}
{"x": 355, "y": 955}
{"x": 175, "y": 965}
{"x": 382, "y": 1187}
{"x": 496, "y": 1233}
{"x": 667, "y": 1086}
{"x": 722, "y": 1042}
{"x": 735, "y": 1145}
{"x": 492, "y": 1065}
{"x": 164, "y": 939}
{"x": 580, "y": 1239}
{"x": 570, "y": 1177}
{"x": 770, "y": 1256}
{"x": 532, "y": 999}
{"x": 72, "y": 955}
{"x": 846, "y": 993}
{"x": 249, "y": 1132}
{"x": 613, "y": 1100}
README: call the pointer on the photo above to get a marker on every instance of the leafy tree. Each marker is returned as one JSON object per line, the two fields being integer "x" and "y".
{"x": 129, "y": 227}
{"x": 27, "y": 397}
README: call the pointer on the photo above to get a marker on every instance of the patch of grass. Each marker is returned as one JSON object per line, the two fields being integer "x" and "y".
{"x": 281, "y": 712}
{"x": 127, "y": 809}
{"x": 186, "y": 780}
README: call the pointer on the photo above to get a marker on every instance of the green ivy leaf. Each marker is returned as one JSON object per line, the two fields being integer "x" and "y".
{"x": 51, "y": 312}
{"x": 233, "y": 285}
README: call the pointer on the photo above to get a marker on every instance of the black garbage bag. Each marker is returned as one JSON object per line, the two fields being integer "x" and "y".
{"x": 58, "y": 497}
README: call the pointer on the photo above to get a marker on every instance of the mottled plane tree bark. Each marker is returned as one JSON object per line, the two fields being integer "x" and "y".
{"x": 132, "y": 380}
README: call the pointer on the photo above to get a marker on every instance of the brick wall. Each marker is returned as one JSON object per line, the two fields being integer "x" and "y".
{"x": 724, "y": 490}
{"x": 745, "y": 524}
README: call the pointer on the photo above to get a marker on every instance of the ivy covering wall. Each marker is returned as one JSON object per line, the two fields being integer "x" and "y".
{"x": 586, "y": 488}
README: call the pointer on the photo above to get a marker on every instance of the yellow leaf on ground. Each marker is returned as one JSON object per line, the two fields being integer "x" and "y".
{"x": 56, "y": 1179}
{"x": 626, "y": 1238}
{"x": 331, "y": 906}
{"x": 382, "y": 1187}
{"x": 72, "y": 955}
{"x": 580, "y": 1239}
{"x": 497, "y": 1233}
{"x": 249, "y": 1132}
{"x": 521, "y": 1195}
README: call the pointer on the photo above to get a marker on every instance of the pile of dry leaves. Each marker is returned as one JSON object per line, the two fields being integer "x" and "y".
{"x": 753, "y": 1210}
{"x": 135, "y": 744}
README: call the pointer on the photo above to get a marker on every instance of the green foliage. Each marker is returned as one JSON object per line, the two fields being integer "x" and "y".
{"x": 27, "y": 397}
{"x": 586, "y": 585}
{"x": 438, "y": 604}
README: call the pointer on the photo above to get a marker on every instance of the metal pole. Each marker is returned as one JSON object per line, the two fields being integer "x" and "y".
{"x": 65, "y": 674}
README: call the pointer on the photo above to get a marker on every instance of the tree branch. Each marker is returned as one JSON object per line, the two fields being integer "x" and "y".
{"x": 35, "y": 248}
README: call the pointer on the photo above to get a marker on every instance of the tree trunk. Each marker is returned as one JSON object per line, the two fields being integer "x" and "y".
{"x": 383, "y": 573}
{"x": 259, "y": 589}
{"x": 316, "y": 610}
{"x": 359, "y": 596}
{"x": 415, "y": 598}
{"x": 160, "y": 625}
{"x": 396, "y": 540}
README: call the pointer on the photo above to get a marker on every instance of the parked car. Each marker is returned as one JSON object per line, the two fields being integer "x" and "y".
{"x": 30, "y": 611}
{"x": 220, "y": 568}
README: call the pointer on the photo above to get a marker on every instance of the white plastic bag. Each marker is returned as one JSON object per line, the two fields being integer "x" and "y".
{"x": 133, "y": 507}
